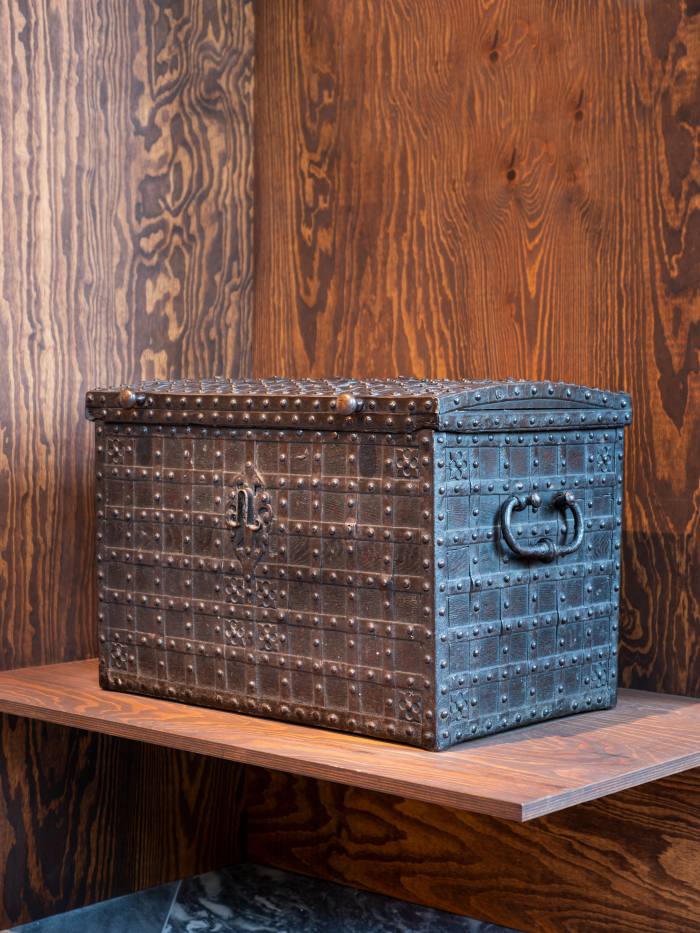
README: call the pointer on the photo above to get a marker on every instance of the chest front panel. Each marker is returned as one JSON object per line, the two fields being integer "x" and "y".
{"x": 278, "y": 573}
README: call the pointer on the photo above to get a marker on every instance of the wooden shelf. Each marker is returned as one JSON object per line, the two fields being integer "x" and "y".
{"x": 517, "y": 775}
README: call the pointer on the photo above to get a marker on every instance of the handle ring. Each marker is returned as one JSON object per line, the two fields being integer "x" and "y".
{"x": 545, "y": 550}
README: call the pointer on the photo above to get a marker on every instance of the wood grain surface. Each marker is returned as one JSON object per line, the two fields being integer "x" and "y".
{"x": 89, "y": 816}
{"x": 517, "y": 775}
{"x": 484, "y": 189}
{"x": 125, "y": 252}
{"x": 626, "y": 863}
{"x": 450, "y": 187}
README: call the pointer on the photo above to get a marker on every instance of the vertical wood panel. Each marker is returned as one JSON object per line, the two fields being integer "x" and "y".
{"x": 125, "y": 252}
{"x": 485, "y": 189}
{"x": 626, "y": 863}
{"x": 86, "y": 817}
{"x": 126, "y": 220}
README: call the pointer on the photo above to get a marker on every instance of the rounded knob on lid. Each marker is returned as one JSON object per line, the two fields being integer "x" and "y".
{"x": 128, "y": 398}
{"x": 348, "y": 404}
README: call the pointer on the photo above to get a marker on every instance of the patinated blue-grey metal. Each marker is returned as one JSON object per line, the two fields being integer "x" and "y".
{"x": 416, "y": 560}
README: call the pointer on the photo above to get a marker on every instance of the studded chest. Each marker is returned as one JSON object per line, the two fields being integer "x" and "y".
{"x": 420, "y": 561}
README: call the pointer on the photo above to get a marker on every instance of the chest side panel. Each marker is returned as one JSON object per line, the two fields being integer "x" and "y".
{"x": 527, "y": 639}
{"x": 278, "y": 573}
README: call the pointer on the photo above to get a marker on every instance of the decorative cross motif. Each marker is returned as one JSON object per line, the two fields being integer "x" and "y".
{"x": 457, "y": 464}
{"x": 411, "y": 706}
{"x": 267, "y": 595}
{"x": 114, "y": 450}
{"x": 603, "y": 458}
{"x": 268, "y": 637}
{"x": 407, "y": 463}
{"x": 235, "y": 590}
{"x": 235, "y": 632}
{"x": 120, "y": 657}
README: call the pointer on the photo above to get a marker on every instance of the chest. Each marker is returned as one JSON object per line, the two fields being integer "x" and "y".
{"x": 398, "y": 559}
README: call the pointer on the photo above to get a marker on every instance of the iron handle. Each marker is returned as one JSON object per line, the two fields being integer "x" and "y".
{"x": 545, "y": 549}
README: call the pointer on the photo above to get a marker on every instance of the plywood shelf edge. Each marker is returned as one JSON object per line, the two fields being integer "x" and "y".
{"x": 518, "y": 775}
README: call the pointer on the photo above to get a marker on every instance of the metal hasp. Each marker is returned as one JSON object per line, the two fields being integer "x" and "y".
{"x": 242, "y": 509}
{"x": 425, "y": 561}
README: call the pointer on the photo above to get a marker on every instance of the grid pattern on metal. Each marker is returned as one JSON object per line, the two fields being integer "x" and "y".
{"x": 520, "y": 640}
{"x": 322, "y": 615}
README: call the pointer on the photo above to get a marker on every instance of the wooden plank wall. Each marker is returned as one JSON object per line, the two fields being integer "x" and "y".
{"x": 125, "y": 251}
{"x": 490, "y": 189}
{"x": 484, "y": 189}
{"x": 446, "y": 187}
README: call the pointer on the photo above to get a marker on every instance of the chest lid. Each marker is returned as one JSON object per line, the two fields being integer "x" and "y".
{"x": 401, "y": 404}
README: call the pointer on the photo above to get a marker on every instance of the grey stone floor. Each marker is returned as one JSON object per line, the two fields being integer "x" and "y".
{"x": 254, "y": 899}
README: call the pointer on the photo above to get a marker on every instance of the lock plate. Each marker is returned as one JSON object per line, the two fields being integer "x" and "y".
{"x": 249, "y": 515}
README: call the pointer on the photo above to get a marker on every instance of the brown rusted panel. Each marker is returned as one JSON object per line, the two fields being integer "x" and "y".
{"x": 287, "y": 609}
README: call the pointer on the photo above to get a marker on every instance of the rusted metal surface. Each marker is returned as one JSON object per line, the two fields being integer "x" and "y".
{"x": 271, "y": 547}
{"x": 403, "y": 404}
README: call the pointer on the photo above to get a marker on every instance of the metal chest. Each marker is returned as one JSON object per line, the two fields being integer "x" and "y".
{"x": 421, "y": 561}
